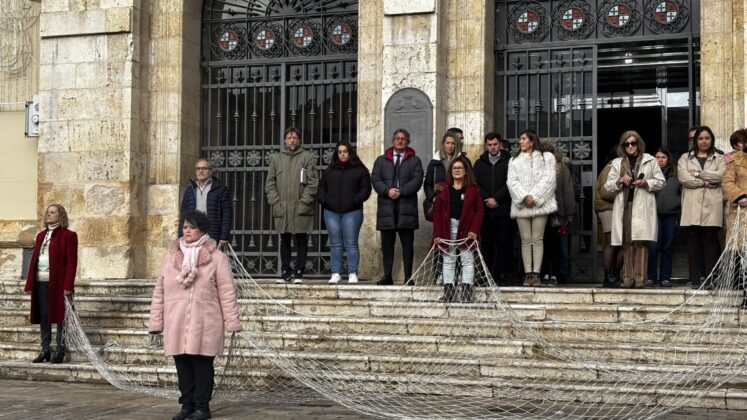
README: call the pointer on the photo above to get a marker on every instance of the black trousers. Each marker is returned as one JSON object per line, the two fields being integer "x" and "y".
{"x": 702, "y": 251}
{"x": 302, "y": 247}
{"x": 497, "y": 247}
{"x": 196, "y": 375}
{"x": 45, "y": 327}
{"x": 407, "y": 239}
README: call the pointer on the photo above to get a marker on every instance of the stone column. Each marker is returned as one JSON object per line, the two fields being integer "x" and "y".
{"x": 722, "y": 58}
{"x": 88, "y": 152}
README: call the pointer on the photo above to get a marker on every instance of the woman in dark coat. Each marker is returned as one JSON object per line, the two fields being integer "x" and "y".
{"x": 344, "y": 187}
{"x": 458, "y": 215}
{"x": 51, "y": 277}
{"x": 435, "y": 175}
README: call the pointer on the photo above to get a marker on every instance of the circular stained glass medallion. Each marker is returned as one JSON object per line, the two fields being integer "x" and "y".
{"x": 265, "y": 39}
{"x": 573, "y": 19}
{"x": 228, "y": 41}
{"x": 528, "y": 22}
{"x": 618, "y": 16}
{"x": 303, "y": 36}
{"x": 666, "y": 12}
{"x": 341, "y": 34}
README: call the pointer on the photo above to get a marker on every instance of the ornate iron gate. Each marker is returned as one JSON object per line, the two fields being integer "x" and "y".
{"x": 268, "y": 65}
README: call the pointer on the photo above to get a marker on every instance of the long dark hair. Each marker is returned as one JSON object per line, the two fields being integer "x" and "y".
{"x": 469, "y": 177}
{"x": 354, "y": 159}
{"x": 531, "y": 135}
{"x": 698, "y": 132}
{"x": 671, "y": 168}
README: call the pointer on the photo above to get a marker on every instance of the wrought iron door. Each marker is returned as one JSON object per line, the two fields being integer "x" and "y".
{"x": 552, "y": 91}
{"x": 268, "y": 65}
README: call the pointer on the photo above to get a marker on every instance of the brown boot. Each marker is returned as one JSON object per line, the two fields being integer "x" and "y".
{"x": 640, "y": 283}
{"x": 527, "y": 280}
{"x": 627, "y": 282}
{"x": 536, "y": 282}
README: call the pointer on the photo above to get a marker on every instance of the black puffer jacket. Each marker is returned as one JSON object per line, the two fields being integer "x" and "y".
{"x": 411, "y": 179}
{"x": 436, "y": 174}
{"x": 219, "y": 208}
{"x": 344, "y": 188}
{"x": 492, "y": 181}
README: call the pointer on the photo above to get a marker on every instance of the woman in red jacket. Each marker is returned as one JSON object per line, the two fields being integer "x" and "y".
{"x": 458, "y": 216}
{"x": 51, "y": 277}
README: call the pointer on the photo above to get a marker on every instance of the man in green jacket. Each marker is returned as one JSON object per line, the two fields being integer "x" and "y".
{"x": 291, "y": 191}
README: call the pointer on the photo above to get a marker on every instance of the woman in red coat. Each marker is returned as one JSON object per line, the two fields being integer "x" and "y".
{"x": 457, "y": 215}
{"x": 52, "y": 277}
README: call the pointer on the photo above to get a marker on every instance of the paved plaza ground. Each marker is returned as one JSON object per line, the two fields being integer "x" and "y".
{"x": 20, "y": 400}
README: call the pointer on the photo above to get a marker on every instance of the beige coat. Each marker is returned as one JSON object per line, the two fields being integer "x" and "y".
{"x": 701, "y": 206}
{"x": 643, "y": 222}
{"x": 192, "y": 320}
{"x": 735, "y": 188}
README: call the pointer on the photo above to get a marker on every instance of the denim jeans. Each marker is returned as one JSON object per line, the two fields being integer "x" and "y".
{"x": 343, "y": 229}
{"x": 663, "y": 247}
{"x": 466, "y": 255}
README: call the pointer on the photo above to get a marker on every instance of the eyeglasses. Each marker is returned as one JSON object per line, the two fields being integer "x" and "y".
{"x": 401, "y": 138}
{"x": 457, "y": 168}
{"x": 631, "y": 144}
{"x": 202, "y": 168}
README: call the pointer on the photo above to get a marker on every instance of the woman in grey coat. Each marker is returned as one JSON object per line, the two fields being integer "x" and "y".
{"x": 667, "y": 212}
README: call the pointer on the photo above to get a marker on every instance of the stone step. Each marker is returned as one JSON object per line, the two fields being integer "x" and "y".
{"x": 575, "y": 295}
{"x": 250, "y": 360}
{"x": 434, "y": 346}
{"x": 686, "y": 315}
{"x": 485, "y": 388}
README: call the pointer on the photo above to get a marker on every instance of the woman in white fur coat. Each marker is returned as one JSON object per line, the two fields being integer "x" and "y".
{"x": 531, "y": 182}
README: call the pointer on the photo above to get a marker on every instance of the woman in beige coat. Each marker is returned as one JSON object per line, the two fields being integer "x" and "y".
{"x": 193, "y": 301}
{"x": 635, "y": 176}
{"x": 701, "y": 172}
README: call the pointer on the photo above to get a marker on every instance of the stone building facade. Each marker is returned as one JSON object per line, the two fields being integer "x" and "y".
{"x": 120, "y": 87}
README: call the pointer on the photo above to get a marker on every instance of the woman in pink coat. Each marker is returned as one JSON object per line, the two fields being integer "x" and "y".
{"x": 194, "y": 298}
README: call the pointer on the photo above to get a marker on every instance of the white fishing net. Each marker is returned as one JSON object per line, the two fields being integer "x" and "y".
{"x": 501, "y": 353}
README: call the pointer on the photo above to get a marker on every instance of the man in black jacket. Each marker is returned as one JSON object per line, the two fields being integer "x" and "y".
{"x": 491, "y": 172}
{"x": 397, "y": 177}
{"x": 212, "y": 197}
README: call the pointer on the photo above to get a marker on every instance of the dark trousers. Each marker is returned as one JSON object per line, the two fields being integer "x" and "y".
{"x": 702, "y": 246}
{"x": 407, "y": 239}
{"x": 302, "y": 247}
{"x": 45, "y": 327}
{"x": 497, "y": 247}
{"x": 663, "y": 248}
{"x": 551, "y": 257}
{"x": 196, "y": 375}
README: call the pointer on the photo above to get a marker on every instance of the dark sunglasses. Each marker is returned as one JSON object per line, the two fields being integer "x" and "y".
{"x": 629, "y": 144}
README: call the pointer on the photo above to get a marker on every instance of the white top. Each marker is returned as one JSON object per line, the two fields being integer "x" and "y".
{"x": 42, "y": 268}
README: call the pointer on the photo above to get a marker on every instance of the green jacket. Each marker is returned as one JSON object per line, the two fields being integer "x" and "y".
{"x": 603, "y": 200}
{"x": 292, "y": 203}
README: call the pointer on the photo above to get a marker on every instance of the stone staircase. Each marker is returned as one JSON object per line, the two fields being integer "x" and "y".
{"x": 370, "y": 332}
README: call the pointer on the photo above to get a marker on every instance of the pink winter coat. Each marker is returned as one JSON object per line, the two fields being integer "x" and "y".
{"x": 192, "y": 319}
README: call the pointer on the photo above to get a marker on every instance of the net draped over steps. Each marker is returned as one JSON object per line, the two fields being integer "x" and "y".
{"x": 406, "y": 354}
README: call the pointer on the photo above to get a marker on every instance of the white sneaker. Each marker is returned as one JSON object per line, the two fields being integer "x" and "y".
{"x": 352, "y": 278}
{"x": 335, "y": 279}
{"x": 297, "y": 281}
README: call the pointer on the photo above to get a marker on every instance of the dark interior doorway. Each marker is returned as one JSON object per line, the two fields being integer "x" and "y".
{"x": 612, "y": 123}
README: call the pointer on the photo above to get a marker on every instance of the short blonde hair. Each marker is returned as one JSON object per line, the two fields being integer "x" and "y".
{"x": 626, "y": 135}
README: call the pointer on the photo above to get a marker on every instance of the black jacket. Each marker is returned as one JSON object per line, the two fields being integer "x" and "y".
{"x": 344, "y": 188}
{"x": 219, "y": 208}
{"x": 492, "y": 181}
{"x": 403, "y": 212}
{"x": 436, "y": 173}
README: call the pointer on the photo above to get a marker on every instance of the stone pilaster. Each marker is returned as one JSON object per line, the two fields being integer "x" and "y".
{"x": 88, "y": 161}
{"x": 722, "y": 65}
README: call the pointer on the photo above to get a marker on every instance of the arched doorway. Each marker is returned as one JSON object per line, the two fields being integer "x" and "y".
{"x": 267, "y": 65}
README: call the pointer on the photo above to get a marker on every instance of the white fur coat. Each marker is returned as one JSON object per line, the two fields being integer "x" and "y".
{"x": 532, "y": 174}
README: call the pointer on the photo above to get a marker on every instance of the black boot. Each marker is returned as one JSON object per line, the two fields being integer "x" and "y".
{"x": 183, "y": 413}
{"x": 612, "y": 280}
{"x": 199, "y": 415}
{"x": 468, "y": 293}
{"x": 43, "y": 356}
{"x": 449, "y": 294}
{"x": 59, "y": 356}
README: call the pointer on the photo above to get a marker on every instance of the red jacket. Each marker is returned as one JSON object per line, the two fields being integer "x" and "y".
{"x": 472, "y": 213}
{"x": 63, "y": 262}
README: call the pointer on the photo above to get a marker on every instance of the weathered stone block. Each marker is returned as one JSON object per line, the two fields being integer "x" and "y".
{"x": 118, "y": 19}
{"x": 10, "y": 262}
{"x": 398, "y": 7}
{"x": 413, "y": 29}
{"x": 106, "y": 199}
{"x": 111, "y": 262}
{"x": 54, "y": 136}
{"x": 57, "y": 76}
{"x": 163, "y": 200}
{"x": 97, "y": 135}
{"x": 61, "y": 24}
{"x": 116, "y": 230}
{"x": 105, "y": 166}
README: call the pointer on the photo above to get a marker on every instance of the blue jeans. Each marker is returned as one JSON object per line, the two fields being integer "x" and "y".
{"x": 664, "y": 246}
{"x": 343, "y": 229}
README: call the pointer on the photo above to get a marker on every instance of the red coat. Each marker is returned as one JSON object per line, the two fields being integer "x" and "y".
{"x": 63, "y": 262}
{"x": 472, "y": 213}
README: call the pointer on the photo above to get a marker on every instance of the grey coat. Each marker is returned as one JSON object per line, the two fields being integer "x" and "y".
{"x": 403, "y": 212}
{"x": 292, "y": 203}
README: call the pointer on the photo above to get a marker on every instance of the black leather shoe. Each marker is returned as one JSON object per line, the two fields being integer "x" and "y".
{"x": 58, "y": 357}
{"x": 410, "y": 282}
{"x": 385, "y": 281}
{"x": 43, "y": 356}
{"x": 182, "y": 414}
{"x": 198, "y": 415}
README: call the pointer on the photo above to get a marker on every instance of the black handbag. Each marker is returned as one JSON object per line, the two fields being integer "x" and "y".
{"x": 428, "y": 206}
